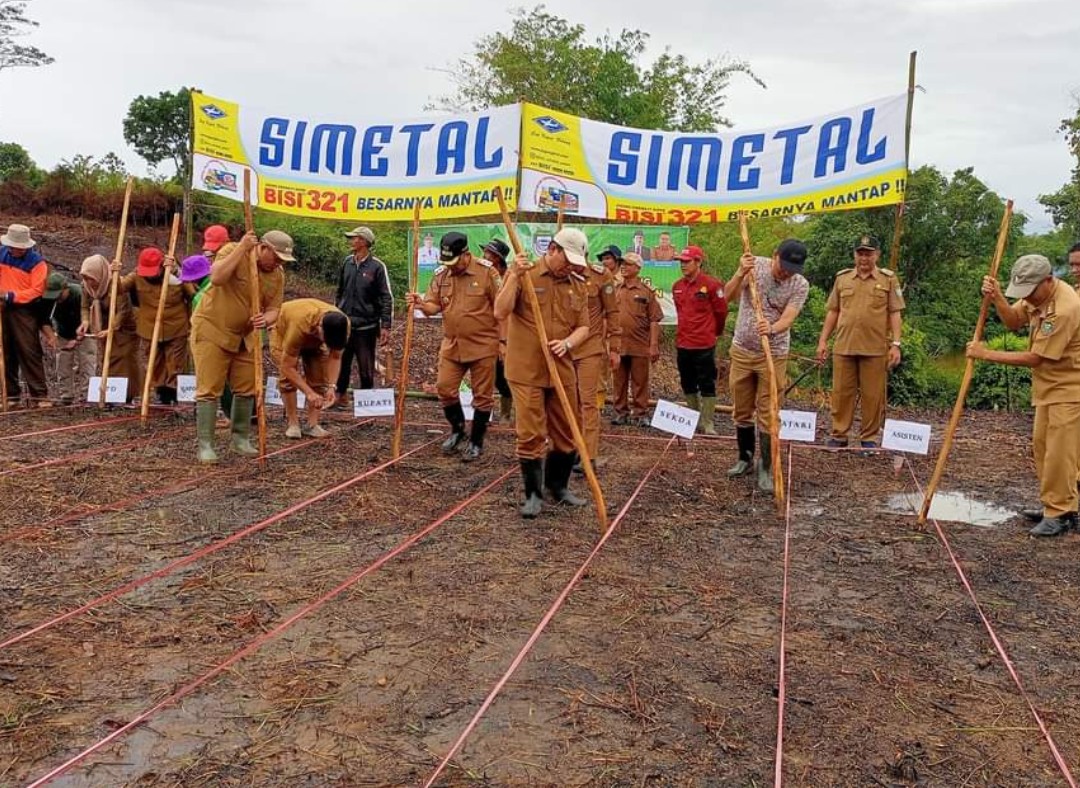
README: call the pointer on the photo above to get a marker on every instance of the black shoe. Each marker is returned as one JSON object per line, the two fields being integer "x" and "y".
{"x": 456, "y": 416}
{"x": 532, "y": 474}
{"x": 836, "y": 443}
{"x": 1054, "y": 526}
{"x": 621, "y": 419}
{"x": 557, "y": 478}
{"x": 472, "y": 452}
{"x": 1035, "y": 515}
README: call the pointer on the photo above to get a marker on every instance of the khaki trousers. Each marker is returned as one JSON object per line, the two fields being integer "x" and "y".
{"x": 635, "y": 371}
{"x": 214, "y": 366}
{"x": 481, "y": 376}
{"x": 1056, "y": 445}
{"x": 590, "y": 373}
{"x": 866, "y": 377}
{"x": 748, "y": 380}
{"x": 540, "y": 416}
{"x": 75, "y": 366}
{"x": 171, "y": 360}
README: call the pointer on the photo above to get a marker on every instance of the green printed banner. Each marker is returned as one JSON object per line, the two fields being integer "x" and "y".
{"x": 658, "y": 247}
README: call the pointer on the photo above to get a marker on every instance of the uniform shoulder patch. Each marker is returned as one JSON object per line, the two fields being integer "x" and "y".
{"x": 598, "y": 267}
{"x": 844, "y": 271}
{"x": 887, "y": 271}
{"x": 576, "y": 276}
{"x": 485, "y": 263}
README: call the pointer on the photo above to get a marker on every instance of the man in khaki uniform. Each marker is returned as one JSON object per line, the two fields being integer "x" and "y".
{"x": 223, "y": 334}
{"x": 639, "y": 318}
{"x": 540, "y": 415}
{"x": 783, "y": 291}
{"x": 495, "y": 252}
{"x": 312, "y": 332}
{"x": 864, "y": 309}
{"x": 144, "y": 284}
{"x": 599, "y": 352}
{"x": 1051, "y": 311}
{"x": 463, "y": 290}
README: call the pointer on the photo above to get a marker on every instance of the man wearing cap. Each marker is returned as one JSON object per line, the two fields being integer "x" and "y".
{"x": 565, "y": 315}
{"x": 865, "y": 308}
{"x": 702, "y": 312}
{"x": 23, "y": 272}
{"x": 314, "y": 333}
{"x": 1051, "y": 311}
{"x": 214, "y": 237}
{"x": 599, "y": 352}
{"x": 463, "y": 290}
{"x": 223, "y": 334}
{"x": 363, "y": 294}
{"x": 76, "y": 356}
{"x": 144, "y": 285}
{"x": 495, "y": 252}
{"x": 783, "y": 291}
{"x": 639, "y": 317}
{"x": 611, "y": 258}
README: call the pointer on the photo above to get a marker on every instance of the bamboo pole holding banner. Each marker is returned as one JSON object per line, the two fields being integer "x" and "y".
{"x": 256, "y": 308}
{"x": 114, "y": 287}
{"x": 969, "y": 369}
{"x": 770, "y": 365}
{"x": 410, "y": 320}
{"x": 553, "y": 371}
{"x": 166, "y": 271}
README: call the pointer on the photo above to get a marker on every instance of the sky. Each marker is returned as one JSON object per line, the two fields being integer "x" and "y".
{"x": 996, "y": 76}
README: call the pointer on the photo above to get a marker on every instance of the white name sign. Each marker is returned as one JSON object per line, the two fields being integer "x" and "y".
{"x": 115, "y": 390}
{"x": 373, "y": 402}
{"x": 185, "y": 388}
{"x": 798, "y": 425}
{"x": 675, "y": 419}
{"x": 906, "y": 436}
{"x": 273, "y": 394}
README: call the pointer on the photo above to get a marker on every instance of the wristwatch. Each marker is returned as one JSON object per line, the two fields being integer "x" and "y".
{"x": 895, "y": 343}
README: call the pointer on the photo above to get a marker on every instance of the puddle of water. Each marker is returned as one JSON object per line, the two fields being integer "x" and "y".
{"x": 951, "y": 506}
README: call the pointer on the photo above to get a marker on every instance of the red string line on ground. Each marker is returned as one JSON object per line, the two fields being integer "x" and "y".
{"x": 781, "y": 694}
{"x": 91, "y": 424}
{"x": 91, "y": 453}
{"x": 548, "y": 616}
{"x": 262, "y": 639}
{"x": 1058, "y": 759}
{"x": 116, "y": 506}
{"x": 209, "y": 549}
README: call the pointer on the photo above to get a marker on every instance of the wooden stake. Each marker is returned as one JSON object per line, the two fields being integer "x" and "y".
{"x": 256, "y": 307}
{"x": 774, "y": 393}
{"x": 559, "y": 215}
{"x": 969, "y": 369}
{"x": 113, "y": 291}
{"x": 410, "y": 319}
{"x": 166, "y": 270}
{"x": 553, "y": 371}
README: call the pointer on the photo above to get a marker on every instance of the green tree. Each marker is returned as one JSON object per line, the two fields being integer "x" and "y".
{"x": 1064, "y": 204}
{"x": 15, "y": 162}
{"x": 548, "y": 60}
{"x": 159, "y": 129}
{"x": 13, "y": 24}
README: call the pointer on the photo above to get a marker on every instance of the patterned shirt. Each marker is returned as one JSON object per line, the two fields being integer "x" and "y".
{"x": 775, "y": 298}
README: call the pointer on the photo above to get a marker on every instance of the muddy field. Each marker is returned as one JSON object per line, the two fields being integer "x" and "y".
{"x": 661, "y": 668}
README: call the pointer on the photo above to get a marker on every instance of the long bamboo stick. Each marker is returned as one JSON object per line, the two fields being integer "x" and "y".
{"x": 553, "y": 371}
{"x": 969, "y": 369}
{"x": 114, "y": 287}
{"x": 166, "y": 270}
{"x": 256, "y": 307}
{"x": 410, "y": 320}
{"x": 3, "y": 366}
{"x": 770, "y": 366}
{"x": 560, "y": 215}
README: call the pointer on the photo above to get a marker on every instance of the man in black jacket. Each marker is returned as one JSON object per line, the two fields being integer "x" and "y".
{"x": 363, "y": 294}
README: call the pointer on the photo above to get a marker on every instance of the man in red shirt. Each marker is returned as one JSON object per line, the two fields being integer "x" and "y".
{"x": 702, "y": 312}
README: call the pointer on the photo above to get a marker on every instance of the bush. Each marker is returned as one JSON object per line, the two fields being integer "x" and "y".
{"x": 997, "y": 386}
{"x": 917, "y": 381}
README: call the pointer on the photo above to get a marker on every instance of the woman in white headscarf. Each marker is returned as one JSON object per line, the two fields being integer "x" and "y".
{"x": 124, "y": 358}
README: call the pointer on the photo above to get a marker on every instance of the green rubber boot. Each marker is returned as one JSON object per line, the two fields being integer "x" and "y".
{"x": 707, "y": 409}
{"x": 241, "y": 426}
{"x": 205, "y": 420}
{"x": 764, "y": 468}
{"x": 693, "y": 401}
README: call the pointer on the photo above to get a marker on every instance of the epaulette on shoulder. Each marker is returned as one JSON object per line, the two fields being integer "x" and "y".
{"x": 575, "y": 275}
{"x": 598, "y": 267}
{"x": 485, "y": 263}
{"x": 887, "y": 271}
{"x": 844, "y": 271}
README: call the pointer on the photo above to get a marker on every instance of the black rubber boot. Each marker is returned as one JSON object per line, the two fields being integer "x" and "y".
{"x": 557, "y": 478}
{"x": 1054, "y": 526}
{"x": 476, "y": 438}
{"x": 456, "y": 416}
{"x": 1035, "y": 515}
{"x": 764, "y": 468}
{"x": 532, "y": 474}
{"x": 744, "y": 437}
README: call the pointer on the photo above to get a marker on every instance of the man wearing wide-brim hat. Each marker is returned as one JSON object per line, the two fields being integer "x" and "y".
{"x": 23, "y": 272}
{"x": 1051, "y": 311}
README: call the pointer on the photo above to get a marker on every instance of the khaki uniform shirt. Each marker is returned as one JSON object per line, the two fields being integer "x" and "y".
{"x": 605, "y": 330}
{"x": 1054, "y": 334}
{"x": 297, "y": 327}
{"x": 175, "y": 319}
{"x": 638, "y": 310}
{"x": 467, "y": 303}
{"x": 224, "y": 312}
{"x": 864, "y": 304}
{"x": 564, "y": 308}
